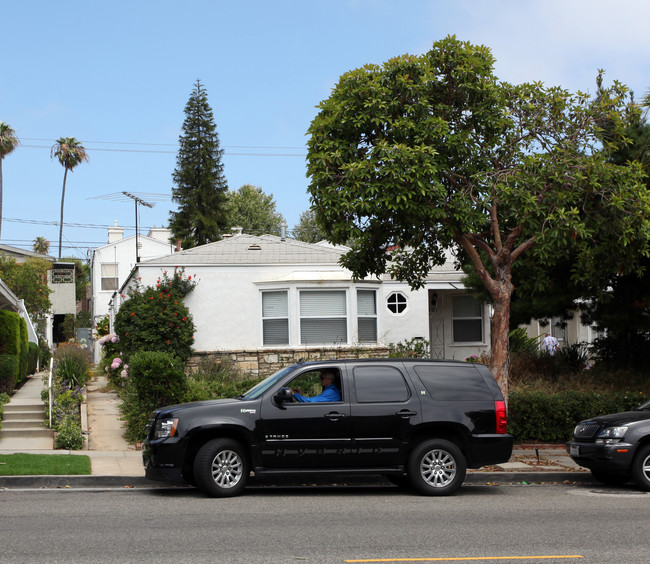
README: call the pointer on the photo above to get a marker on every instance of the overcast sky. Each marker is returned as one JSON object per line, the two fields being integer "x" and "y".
{"x": 117, "y": 77}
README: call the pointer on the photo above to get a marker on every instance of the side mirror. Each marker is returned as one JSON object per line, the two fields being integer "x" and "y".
{"x": 282, "y": 396}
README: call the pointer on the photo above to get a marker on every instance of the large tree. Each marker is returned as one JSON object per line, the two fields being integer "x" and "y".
{"x": 200, "y": 187}
{"x": 307, "y": 228}
{"x": 254, "y": 211}
{"x": 70, "y": 153}
{"x": 429, "y": 153}
{"x": 8, "y": 142}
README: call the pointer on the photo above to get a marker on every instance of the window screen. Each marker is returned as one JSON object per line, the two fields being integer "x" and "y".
{"x": 367, "y": 316}
{"x": 109, "y": 276}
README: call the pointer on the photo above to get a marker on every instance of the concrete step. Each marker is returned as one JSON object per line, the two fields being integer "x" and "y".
{"x": 22, "y": 423}
{"x": 23, "y": 407}
{"x": 35, "y": 432}
{"x": 23, "y": 415}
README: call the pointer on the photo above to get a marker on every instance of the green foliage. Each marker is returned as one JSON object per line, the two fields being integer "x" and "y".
{"x": 45, "y": 353}
{"x": 213, "y": 380}
{"x": 254, "y": 211}
{"x": 72, "y": 364}
{"x": 4, "y": 399}
{"x": 431, "y": 153}
{"x": 32, "y": 358}
{"x": 308, "y": 229}
{"x": 200, "y": 187}
{"x": 413, "y": 348}
{"x": 23, "y": 355}
{"x": 155, "y": 318}
{"x": 29, "y": 282}
{"x": 11, "y": 346}
{"x": 69, "y": 435}
{"x": 520, "y": 342}
{"x": 156, "y": 379}
{"x": 550, "y": 418}
{"x": 103, "y": 326}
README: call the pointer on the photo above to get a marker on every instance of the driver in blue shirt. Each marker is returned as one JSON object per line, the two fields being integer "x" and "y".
{"x": 330, "y": 391}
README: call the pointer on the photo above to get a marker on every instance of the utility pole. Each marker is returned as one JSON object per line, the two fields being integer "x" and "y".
{"x": 143, "y": 203}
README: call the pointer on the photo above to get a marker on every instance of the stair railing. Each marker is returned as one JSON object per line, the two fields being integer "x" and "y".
{"x": 49, "y": 390}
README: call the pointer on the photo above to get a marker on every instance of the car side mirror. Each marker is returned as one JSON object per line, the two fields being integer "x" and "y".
{"x": 282, "y": 396}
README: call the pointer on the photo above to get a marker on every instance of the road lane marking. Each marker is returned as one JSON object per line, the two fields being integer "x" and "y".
{"x": 469, "y": 558}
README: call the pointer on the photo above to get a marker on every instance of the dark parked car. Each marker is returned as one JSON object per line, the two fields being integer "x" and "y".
{"x": 418, "y": 421}
{"x": 616, "y": 447}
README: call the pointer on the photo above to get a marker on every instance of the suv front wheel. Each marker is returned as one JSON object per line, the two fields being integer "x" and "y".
{"x": 437, "y": 467}
{"x": 221, "y": 468}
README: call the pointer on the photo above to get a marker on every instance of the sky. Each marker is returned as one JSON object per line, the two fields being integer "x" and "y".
{"x": 117, "y": 75}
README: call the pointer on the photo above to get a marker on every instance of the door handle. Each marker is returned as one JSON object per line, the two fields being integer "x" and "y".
{"x": 334, "y": 415}
{"x": 405, "y": 413}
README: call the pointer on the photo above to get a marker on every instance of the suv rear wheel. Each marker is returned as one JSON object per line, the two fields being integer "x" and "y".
{"x": 641, "y": 468}
{"x": 221, "y": 468}
{"x": 437, "y": 467}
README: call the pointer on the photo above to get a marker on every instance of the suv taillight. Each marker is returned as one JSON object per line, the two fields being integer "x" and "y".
{"x": 502, "y": 416}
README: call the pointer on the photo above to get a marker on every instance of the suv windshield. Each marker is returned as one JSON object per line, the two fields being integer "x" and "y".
{"x": 259, "y": 389}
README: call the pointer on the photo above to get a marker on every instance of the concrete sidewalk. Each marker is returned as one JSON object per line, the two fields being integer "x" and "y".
{"x": 116, "y": 463}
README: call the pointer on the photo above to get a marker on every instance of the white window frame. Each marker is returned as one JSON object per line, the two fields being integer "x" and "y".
{"x": 325, "y": 316}
{"x": 404, "y": 301}
{"x": 270, "y": 318}
{"x": 479, "y": 319}
{"x": 103, "y": 276}
{"x": 367, "y": 316}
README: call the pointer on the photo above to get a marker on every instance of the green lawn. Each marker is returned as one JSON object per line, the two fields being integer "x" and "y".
{"x": 44, "y": 464}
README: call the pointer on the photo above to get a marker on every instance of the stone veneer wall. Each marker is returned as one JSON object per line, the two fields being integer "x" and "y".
{"x": 264, "y": 362}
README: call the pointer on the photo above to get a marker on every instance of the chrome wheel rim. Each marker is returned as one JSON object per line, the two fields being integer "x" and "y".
{"x": 438, "y": 468}
{"x": 645, "y": 468}
{"x": 227, "y": 469}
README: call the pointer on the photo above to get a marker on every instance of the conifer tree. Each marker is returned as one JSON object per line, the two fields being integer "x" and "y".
{"x": 200, "y": 188}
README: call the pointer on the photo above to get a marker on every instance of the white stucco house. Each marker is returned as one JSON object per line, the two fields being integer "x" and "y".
{"x": 111, "y": 264}
{"x": 268, "y": 301}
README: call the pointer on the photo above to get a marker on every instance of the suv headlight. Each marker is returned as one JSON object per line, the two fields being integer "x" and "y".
{"x": 611, "y": 435}
{"x": 164, "y": 428}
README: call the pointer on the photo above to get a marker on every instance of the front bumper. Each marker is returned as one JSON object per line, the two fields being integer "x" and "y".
{"x": 615, "y": 457}
{"x": 163, "y": 459}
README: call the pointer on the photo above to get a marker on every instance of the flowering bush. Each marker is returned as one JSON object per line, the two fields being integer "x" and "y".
{"x": 155, "y": 318}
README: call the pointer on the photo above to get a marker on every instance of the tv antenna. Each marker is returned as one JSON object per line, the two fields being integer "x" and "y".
{"x": 142, "y": 203}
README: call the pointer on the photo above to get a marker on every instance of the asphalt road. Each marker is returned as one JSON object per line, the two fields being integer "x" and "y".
{"x": 543, "y": 523}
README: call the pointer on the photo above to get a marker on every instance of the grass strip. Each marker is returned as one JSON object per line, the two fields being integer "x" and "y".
{"x": 44, "y": 465}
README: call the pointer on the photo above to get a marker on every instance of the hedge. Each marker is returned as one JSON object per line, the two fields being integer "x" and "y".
{"x": 550, "y": 418}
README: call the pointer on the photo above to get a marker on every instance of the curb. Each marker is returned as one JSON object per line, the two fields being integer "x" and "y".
{"x": 139, "y": 482}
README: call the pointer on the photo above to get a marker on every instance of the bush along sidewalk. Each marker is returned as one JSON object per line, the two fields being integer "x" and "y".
{"x": 71, "y": 371}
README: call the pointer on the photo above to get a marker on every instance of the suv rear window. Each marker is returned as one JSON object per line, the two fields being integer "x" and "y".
{"x": 457, "y": 383}
{"x": 379, "y": 384}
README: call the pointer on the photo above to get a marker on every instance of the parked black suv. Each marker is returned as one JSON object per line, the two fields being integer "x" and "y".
{"x": 616, "y": 447}
{"x": 408, "y": 419}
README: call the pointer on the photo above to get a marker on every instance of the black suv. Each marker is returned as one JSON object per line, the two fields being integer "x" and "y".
{"x": 418, "y": 421}
{"x": 616, "y": 447}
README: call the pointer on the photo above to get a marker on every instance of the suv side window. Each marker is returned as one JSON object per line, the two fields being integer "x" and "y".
{"x": 457, "y": 383}
{"x": 379, "y": 384}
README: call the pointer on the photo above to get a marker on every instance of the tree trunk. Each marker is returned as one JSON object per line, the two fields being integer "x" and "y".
{"x": 501, "y": 293}
{"x": 65, "y": 176}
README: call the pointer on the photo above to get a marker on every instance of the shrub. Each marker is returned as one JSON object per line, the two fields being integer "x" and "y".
{"x": 413, "y": 348}
{"x": 72, "y": 363}
{"x": 69, "y": 435}
{"x": 32, "y": 358}
{"x": 214, "y": 380}
{"x": 550, "y": 418}
{"x": 8, "y": 372}
{"x": 155, "y": 379}
{"x": 155, "y": 319}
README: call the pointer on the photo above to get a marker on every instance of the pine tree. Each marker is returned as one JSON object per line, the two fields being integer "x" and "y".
{"x": 200, "y": 187}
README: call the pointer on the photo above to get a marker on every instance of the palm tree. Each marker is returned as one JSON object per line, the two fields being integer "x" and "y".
{"x": 69, "y": 152}
{"x": 41, "y": 245}
{"x": 8, "y": 142}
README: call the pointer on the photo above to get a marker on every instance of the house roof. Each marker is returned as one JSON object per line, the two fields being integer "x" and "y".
{"x": 244, "y": 249}
{"x": 20, "y": 253}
